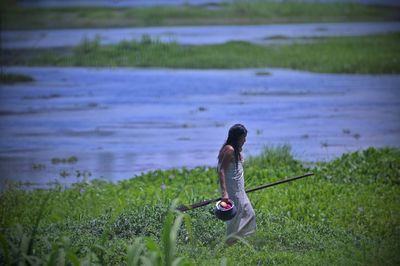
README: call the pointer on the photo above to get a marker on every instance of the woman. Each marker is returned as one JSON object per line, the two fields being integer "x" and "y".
{"x": 231, "y": 178}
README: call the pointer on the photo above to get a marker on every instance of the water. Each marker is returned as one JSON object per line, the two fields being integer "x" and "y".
{"x": 120, "y": 122}
{"x": 193, "y": 35}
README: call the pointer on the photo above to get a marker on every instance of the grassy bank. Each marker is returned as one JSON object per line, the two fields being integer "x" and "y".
{"x": 10, "y": 78}
{"x": 347, "y": 214}
{"x": 239, "y": 12}
{"x": 375, "y": 54}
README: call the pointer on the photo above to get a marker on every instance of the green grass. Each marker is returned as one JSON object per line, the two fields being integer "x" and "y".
{"x": 348, "y": 213}
{"x": 10, "y": 78}
{"x": 327, "y": 55}
{"x": 239, "y": 12}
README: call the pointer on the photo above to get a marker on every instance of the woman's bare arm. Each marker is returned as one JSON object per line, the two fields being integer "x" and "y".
{"x": 227, "y": 157}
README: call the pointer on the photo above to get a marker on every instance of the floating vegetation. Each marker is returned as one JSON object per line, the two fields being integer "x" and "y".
{"x": 305, "y": 136}
{"x": 10, "y": 78}
{"x": 38, "y": 166}
{"x": 263, "y": 73}
{"x": 71, "y": 160}
{"x": 85, "y": 174}
{"x": 184, "y": 138}
{"x": 93, "y": 105}
{"x": 346, "y": 131}
{"x": 64, "y": 173}
{"x": 186, "y": 125}
{"x": 43, "y": 97}
{"x": 276, "y": 37}
{"x": 266, "y": 92}
{"x": 321, "y": 29}
{"x": 255, "y": 92}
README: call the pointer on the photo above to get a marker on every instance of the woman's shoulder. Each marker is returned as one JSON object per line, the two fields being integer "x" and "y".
{"x": 228, "y": 149}
{"x": 227, "y": 152}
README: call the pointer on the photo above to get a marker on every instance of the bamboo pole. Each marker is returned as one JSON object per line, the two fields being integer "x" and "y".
{"x": 184, "y": 208}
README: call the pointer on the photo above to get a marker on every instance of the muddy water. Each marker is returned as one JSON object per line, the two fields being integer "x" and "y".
{"x": 124, "y": 121}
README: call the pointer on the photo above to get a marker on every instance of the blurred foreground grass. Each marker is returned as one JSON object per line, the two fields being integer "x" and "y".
{"x": 375, "y": 54}
{"x": 347, "y": 214}
{"x": 235, "y": 13}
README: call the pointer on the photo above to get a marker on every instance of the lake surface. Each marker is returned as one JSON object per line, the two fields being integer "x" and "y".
{"x": 120, "y": 122}
{"x": 194, "y": 35}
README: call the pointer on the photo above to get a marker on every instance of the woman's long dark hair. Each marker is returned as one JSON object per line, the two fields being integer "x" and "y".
{"x": 235, "y": 132}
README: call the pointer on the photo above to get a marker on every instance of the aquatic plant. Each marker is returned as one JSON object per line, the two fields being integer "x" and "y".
{"x": 71, "y": 160}
{"x": 10, "y": 78}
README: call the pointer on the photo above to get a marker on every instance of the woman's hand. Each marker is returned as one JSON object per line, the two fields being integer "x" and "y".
{"x": 225, "y": 197}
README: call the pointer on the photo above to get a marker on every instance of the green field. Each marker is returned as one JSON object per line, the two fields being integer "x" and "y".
{"x": 348, "y": 213}
{"x": 239, "y": 12}
{"x": 377, "y": 54}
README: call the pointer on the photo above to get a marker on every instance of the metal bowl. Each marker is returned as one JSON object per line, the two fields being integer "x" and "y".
{"x": 225, "y": 214}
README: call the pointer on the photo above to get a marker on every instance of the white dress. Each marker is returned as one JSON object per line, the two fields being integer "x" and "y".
{"x": 244, "y": 222}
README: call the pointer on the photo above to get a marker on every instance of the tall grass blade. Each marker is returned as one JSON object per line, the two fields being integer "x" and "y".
{"x": 146, "y": 261}
{"x": 61, "y": 257}
{"x": 5, "y": 248}
{"x": 72, "y": 258}
{"x": 170, "y": 233}
{"x": 134, "y": 252}
{"x": 177, "y": 261}
{"x": 240, "y": 239}
{"x": 154, "y": 252}
{"x": 224, "y": 262}
{"x": 189, "y": 228}
{"x": 39, "y": 217}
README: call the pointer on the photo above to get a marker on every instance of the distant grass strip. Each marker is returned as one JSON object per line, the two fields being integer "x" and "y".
{"x": 10, "y": 78}
{"x": 238, "y": 12}
{"x": 375, "y": 54}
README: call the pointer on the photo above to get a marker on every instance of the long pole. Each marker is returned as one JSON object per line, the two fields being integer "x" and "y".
{"x": 184, "y": 208}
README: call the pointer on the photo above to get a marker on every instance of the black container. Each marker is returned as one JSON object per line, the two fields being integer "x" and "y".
{"x": 225, "y": 214}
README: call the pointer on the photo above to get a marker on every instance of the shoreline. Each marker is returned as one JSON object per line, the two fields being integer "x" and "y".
{"x": 86, "y": 176}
